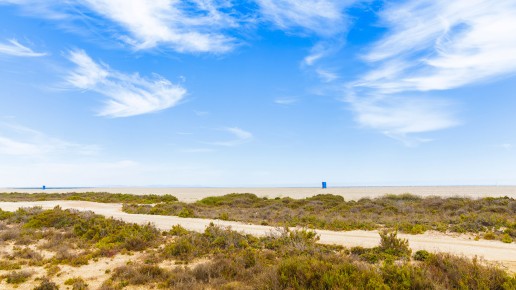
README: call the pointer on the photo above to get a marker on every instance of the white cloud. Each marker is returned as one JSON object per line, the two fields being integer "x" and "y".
{"x": 16, "y": 140}
{"x": 399, "y": 117}
{"x": 127, "y": 95}
{"x": 285, "y": 101}
{"x": 14, "y": 48}
{"x": 240, "y": 137}
{"x": 325, "y": 75}
{"x": 186, "y": 27}
{"x": 323, "y": 17}
{"x": 432, "y": 45}
{"x": 440, "y": 45}
{"x": 322, "y": 49}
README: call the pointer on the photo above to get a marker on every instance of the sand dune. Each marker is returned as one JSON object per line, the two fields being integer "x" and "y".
{"x": 349, "y": 193}
{"x": 494, "y": 251}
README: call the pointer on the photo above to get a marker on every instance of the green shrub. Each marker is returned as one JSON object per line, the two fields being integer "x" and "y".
{"x": 506, "y": 238}
{"x": 181, "y": 247}
{"x": 5, "y": 214}
{"x": 489, "y": 236}
{"x": 224, "y": 216}
{"x": 186, "y": 212}
{"x": 178, "y": 230}
{"x": 421, "y": 255}
{"x": 392, "y": 245}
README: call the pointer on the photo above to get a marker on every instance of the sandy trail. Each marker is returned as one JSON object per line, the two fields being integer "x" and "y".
{"x": 494, "y": 251}
{"x": 349, "y": 193}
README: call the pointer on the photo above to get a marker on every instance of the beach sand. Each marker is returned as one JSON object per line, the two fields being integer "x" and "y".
{"x": 349, "y": 193}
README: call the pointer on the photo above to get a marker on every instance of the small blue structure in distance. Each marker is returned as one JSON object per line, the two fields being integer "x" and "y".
{"x": 324, "y": 184}
{"x": 44, "y": 187}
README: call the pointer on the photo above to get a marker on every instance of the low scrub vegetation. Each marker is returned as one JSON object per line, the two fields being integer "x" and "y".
{"x": 104, "y": 197}
{"x": 75, "y": 237}
{"x": 496, "y": 217}
{"x": 219, "y": 258}
{"x": 293, "y": 260}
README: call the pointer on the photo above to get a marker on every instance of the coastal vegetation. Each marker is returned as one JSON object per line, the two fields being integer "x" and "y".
{"x": 104, "y": 197}
{"x": 38, "y": 244}
{"x": 488, "y": 218}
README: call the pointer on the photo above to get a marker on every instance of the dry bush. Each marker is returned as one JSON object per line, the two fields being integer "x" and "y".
{"x": 18, "y": 277}
{"x": 77, "y": 283}
{"x": 10, "y": 234}
{"x": 27, "y": 253}
{"x": 46, "y": 285}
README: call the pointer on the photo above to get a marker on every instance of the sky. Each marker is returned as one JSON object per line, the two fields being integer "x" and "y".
{"x": 257, "y": 93}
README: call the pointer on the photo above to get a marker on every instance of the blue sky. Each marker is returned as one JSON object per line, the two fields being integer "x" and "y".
{"x": 257, "y": 93}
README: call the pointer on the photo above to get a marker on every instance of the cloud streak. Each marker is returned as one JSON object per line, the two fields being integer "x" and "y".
{"x": 14, "y": 48}
{"x": 240, "y": 137}
{"x": 440, "y": 45}
{"x": 285, "y": 101}
{"x": 430, "y": 46}
{"x": 196, "y": 26}
{"x": 193, "y": 27}
{"x": 127, "y": 94}
{"x": 322, "y": 17}
{"x": 400, "y": 117}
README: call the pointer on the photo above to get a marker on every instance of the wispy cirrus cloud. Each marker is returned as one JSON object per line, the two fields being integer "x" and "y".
{"x": 193, "y": 26}
{"x": 322, "y": 17}
{"x": 127, "y": 94}
{"x": 285, "y": 101}
{"x": 326, "y": 75}
{"x": 325, "y": 19}
{"x": 440, "y": 45}
{"x": 197, "y": 26}
{"x": 431, "y": 45}
{"x": 14, "y": 48}
{"x": 17, "y": 140}
{"x": 401, "y": 117}
{"x": 240, "y": 136}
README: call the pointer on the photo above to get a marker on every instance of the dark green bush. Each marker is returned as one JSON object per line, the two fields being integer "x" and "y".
{"x": 392, "y": 245}
{"x": 421, "y": 255}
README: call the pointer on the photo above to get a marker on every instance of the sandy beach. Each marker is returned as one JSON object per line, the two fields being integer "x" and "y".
{"x": 493, "y": 251}
{"x": 349, "y": 193}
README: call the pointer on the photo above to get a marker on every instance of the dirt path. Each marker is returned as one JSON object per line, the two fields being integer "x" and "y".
{"x": 494, "y": 251}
